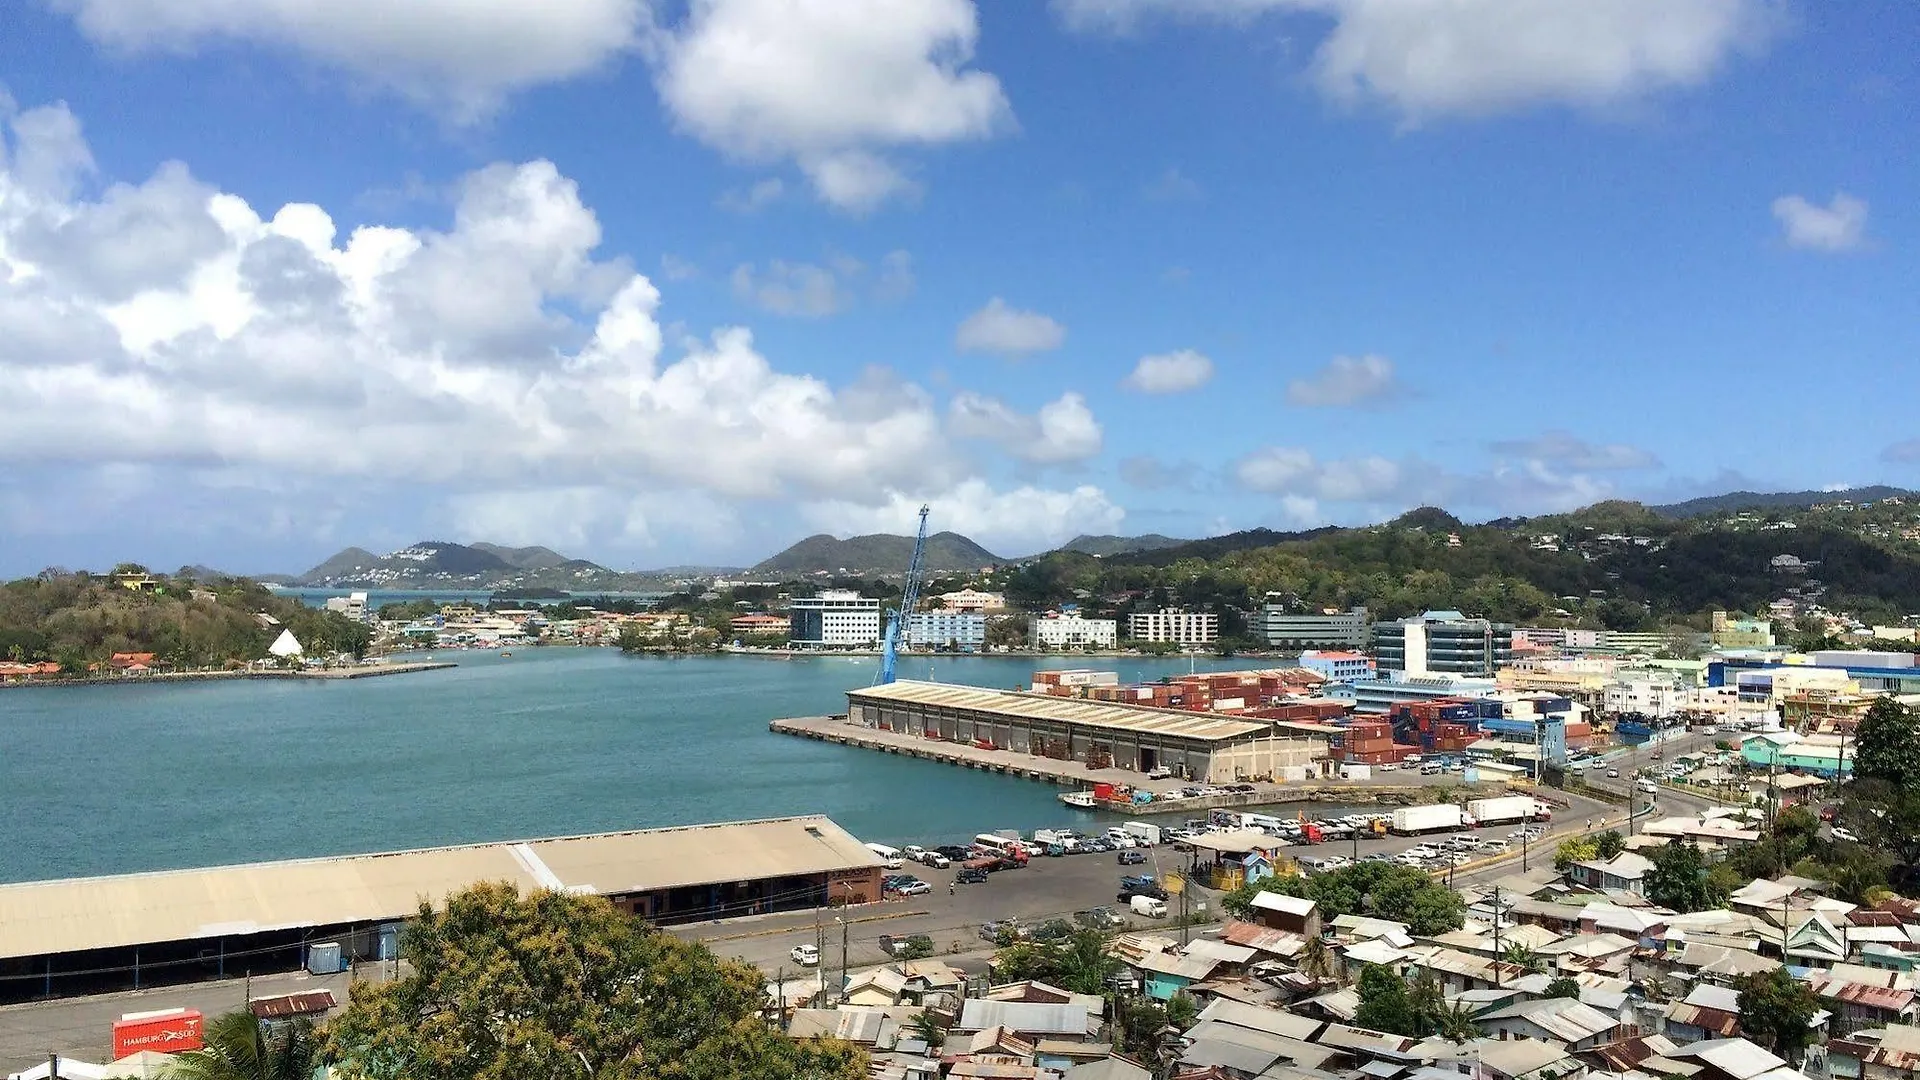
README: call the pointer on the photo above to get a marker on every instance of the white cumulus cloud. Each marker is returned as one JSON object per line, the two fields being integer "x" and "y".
{"x": 1432, "y": 57}
{"x": 832, "y": 85}
{"x": 1170, "y": 373}
{"x": 785, "y": 288}
{"x": 1566, "y": 450}
{"x": 1009, "y": 331}
{"x": 1346, "y": 380}
{"x": 1841, "y": 225}
{"x": 1014, "y": 522}
{"x": 1064, "y": 430}
{"x": 462, "y": 56}
{"x": 499, "y": 354}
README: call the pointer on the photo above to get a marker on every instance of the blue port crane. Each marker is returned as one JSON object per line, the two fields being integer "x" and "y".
{"x": 909, "y": 596}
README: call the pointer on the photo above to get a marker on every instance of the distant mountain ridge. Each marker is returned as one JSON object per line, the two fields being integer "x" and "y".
{"x": 1106, "y": 545}
{"x": 1735, "y": 501}
{"x": 443, "y": 563}
{"x": 877, "y": 553}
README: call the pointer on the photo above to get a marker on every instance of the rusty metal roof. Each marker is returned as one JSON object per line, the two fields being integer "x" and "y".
{"x": 310, "y": 1003}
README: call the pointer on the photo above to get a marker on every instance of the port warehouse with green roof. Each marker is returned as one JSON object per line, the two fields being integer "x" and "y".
{"x": 91, "y": 935}
{"x": 1208, "y": 747}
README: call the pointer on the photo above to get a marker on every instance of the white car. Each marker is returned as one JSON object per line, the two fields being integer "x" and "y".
{"x": 936, "y": 860}
{"x": 916, "y": 887}
{"x": 804, "y": 955}
{"x": 1646, "y": 786}
{"x": 1841, "y": 832}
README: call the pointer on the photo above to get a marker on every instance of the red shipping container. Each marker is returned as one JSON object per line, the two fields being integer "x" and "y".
{"x": 170, "y": 1032}
{"x": 1103, "y": 791}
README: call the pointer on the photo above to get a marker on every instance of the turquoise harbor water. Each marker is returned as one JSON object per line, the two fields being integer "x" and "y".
{"x": 115, "y": 779}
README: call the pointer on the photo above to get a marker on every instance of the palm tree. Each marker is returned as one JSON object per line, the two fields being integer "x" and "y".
{"x": 1316, "y": 960}
{"x": 926, "y": 1027}
{"x": 1454, "y": 1022}
{"x": 1426, "y": 1000}
{"x": 238, "y": 1047}
{"x": 1521, "y": 956}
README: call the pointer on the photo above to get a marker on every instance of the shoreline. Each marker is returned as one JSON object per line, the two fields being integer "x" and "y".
{"x": 370, "y": 671}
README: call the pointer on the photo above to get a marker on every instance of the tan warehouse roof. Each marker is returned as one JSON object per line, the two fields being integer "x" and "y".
{"x": 45, "y": 917}
{"x": 1205, "y": 727}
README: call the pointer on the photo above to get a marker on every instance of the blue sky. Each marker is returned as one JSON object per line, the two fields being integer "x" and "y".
{"x": 681, "y": 282}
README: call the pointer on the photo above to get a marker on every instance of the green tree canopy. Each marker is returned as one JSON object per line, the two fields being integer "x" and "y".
{"x": 1608, "y": 844}
{"x": 1562, "y": 987}
{"x": 505, "y": 987}
{"x": 1678, "y": 879}
{"x": 1381, "y": 890}
{"x": 236, "y": 1046}
{"x": 1775, "y": 1012}
{"x": 1384, "y": 1003}
{"x": 1577, "y": 849}
{"x": 1888, "y": 747}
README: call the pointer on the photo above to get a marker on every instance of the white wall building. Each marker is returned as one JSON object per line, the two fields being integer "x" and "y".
{"x": 1072, "y": 631}
{"x": 963, "y": 630}
{"x": 1181, "y": 627}
{"x": 835, "y": 618}
{"x": 352, "y": 605}
{"x": 1650, "y": 697}
{"x": 974, "y": 600}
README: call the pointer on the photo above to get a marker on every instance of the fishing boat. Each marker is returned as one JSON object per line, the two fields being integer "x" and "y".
{"x": 1081, "y": 799}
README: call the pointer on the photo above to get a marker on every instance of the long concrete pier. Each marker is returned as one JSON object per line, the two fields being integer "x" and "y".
{"x": 1074, "y": 774}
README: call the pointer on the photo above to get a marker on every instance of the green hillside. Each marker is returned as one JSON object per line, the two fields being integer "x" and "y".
{"x": 876, "y": 554}
{"x": 76, "y": 619}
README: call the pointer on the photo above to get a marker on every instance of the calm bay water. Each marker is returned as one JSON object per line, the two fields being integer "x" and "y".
{"x": 115, "y": 779}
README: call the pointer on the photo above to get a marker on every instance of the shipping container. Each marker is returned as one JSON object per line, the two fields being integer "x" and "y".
{"x": 1413, "y": 820}
{"x": 1500, "y": 811}
{"x": 168, "y": 1031}
{"x": 1144, "y": 831}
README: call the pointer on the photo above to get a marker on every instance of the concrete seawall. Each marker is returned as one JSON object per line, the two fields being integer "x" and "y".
{"x": 164, "y": 678}
{"x": 1074, "y": 774}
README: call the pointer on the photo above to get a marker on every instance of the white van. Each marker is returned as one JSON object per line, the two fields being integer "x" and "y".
{"x": 1149, "y": 907}
{"x": 888, "y": 855}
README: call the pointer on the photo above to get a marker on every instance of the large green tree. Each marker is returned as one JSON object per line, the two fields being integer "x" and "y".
{"x": 1384, "y": 1002}
{"x": 1776, "y": 1011}
{"x": 1381, "y": 890}
{"x": 1678, "y": 879}
{"x": 505, "y": 987}
{"x": 236, "y": 1046}
{"x": 1887, "y": 746}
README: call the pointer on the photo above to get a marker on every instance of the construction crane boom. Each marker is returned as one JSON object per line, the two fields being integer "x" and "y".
{"x": 909, "y": 596}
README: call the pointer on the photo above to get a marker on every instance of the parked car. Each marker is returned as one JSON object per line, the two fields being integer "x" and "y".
{"x": 1100, "y": 918}
{"x": 1613, "y": 774}
{"x": 1131, "y": 857}
{"x": 1841, "y": 832}
{"x": 992, "y": 930}
{"x": 936, "y": 860}
{"x": 955, "y": 852}
{"x": 970, "y": 876}
{"x": 915, "y": 887}
{"x": 1051, "y": 930}
{"x": 1161, "y": 773}
{"x": 1126, "y": 895}
{"x": 804, "y": 955}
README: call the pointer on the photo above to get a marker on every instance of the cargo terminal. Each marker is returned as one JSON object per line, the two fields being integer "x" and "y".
{"x": 89, "y": 935}
{"x": 1202, "y": 746}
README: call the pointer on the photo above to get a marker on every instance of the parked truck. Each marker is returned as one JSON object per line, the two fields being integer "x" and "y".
{"x": 1437, "y": 817}
{"x": 1145, "y": 833}
{"x": 1506, "y": 809}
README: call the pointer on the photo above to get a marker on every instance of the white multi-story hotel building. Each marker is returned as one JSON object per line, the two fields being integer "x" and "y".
{"x": 1181, "y": 627}
{"x": 836, "y": 617}
{"x": 1072, "y": 631}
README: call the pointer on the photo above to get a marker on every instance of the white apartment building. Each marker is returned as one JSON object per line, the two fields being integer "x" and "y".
{"x": 1649, "y": 697}
{"x": 1180, "y": 627}
{"x": 352, "y": 605}
{"x": 1072, "y": 631}
{"x": 838, "y": 618}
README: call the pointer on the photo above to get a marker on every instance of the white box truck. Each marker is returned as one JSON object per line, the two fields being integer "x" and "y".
{"x": 1502, "y": 810}
{"x": 1354, "y": 771}
{"x": 1148, "y": 907}
{"x": 1438, "y": 817}
{"x": 1145, "y": 833}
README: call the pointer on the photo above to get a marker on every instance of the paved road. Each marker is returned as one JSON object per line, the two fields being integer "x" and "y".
{"x": 83, "y": 1027}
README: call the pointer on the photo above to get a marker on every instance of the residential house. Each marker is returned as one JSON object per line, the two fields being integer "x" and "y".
{"x": 1165, "y": 974}
{"x": 1889, "y": 1053}
{"x": 1816, "y": 941}
{"x": 1112, "y": 1067}
{"x": 1567, "y": 1021}
{"x": 878, "y": 987}
{"x": 1525, "y": 1059}
{"x": 1627, "y": 1054}
{"x": 1293, "y": 914}
{"x": 1733, "y": 1059}
{"x": 1707, "y": 1012}
{"x": 1863, "y": 997}
{"x": 1625, "y": 872}
{"x": 1030, "y": 1019}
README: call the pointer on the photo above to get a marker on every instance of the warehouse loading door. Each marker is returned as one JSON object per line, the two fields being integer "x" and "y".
{"x": 1149, "y": 759}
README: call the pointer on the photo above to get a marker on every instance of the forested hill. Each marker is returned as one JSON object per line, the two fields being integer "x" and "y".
{"x": 76, "y": 619}
{"x": 1619, "y": 563}
{"x": 879, "y": 553}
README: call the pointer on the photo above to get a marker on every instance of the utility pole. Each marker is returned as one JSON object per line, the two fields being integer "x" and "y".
{"x": 1526, "y": 835}
{"x": 780, "y": 998}
{"x": 846, "y": 929}
{"x": 1186, "y": 893}
{"x": 1496, "y": 937}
